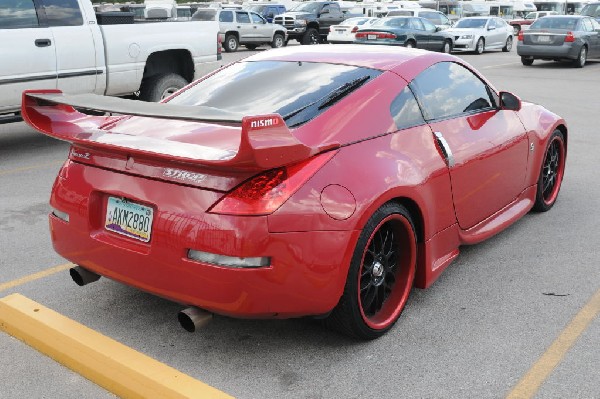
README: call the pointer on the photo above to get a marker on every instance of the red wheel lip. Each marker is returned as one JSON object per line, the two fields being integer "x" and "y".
{"x": 551, "y": 198}
{"x": 402, "y": 297}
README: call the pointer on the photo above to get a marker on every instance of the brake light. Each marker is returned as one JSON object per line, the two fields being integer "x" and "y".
{"x": 265, "y": 193}
{"x": 386, "y": 36}
{"x": 219, "y": 47}
{"x": 570, "y": 38}
{"x": 378, "y": 35}
{"x": 520, "y": 36}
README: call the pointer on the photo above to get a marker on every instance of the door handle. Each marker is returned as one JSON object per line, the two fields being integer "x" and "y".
{"x": 43, "y": 42}
{"x": 443, "y": 144}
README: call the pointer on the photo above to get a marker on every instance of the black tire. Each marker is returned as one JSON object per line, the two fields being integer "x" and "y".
{"x": 526, "y": 61}
{"x": 579, "y": 62}
{"x": 231, "y": 43}
{"x": 278, "y": 41}
{"x": 480, "y": 46}
{"x": 410, "y": 44}
{"x": 508, "y": 45}
{"x": 251, "y": 47}
{"x": 380, "y": 276}
{"x": 311, "y": 36}
{"x": 551, "y": 172}
{"x": 447, "y": 47}
{"x": 160, "y": 87}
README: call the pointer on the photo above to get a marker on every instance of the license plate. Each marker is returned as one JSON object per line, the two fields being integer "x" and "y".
{"x": 371, "y": 37}
{"x": 129, "y": 219}
{"x": 340, "y": 30}
{"x": 544, "y": 39}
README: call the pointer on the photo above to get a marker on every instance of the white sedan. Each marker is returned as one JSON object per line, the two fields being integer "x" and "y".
{"x": 344, "y": 32}
{"x": 481, "y": 33}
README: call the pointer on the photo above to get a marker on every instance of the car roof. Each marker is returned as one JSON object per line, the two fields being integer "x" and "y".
{"x": 403, "y": 61}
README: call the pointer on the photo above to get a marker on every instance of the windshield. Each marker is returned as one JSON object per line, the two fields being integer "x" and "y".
{"x": 477, "y": 23}
{"x": 298, "y": 91}
{"x": 307, "y": 7}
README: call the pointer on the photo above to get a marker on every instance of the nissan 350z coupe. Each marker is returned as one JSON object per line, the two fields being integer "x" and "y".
{"x": 306, "y": 181}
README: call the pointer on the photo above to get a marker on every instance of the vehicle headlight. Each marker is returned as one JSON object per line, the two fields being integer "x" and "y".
{"x": 466, "y": 37}
{"x": 300, "y": 22}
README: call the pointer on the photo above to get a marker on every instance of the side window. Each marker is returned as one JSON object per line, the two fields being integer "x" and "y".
{"x": 429, "y": 27}
{"x": 448, "y": 89}
{"x": 256, "y": 19}
{"x": 405, "y": 110}
{"x": 62, "y": 12}
{"x": 416, "y": 24}
{"x": 445, "y": 20}
{"x": 18, "y": 14}
{"x": 226, "y": 16}
{"x": 432, "y": 17}
{"x": 586, "y": 25}
{"x": 242, "y": 17}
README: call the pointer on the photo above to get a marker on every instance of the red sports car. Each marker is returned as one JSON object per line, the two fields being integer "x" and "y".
{"x": 307, "y": 181}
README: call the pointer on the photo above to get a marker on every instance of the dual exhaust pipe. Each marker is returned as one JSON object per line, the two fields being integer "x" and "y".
{"x": 191, "y": 319}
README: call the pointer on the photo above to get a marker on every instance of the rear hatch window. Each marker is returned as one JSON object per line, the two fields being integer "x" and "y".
{"x": 298, "y": 91}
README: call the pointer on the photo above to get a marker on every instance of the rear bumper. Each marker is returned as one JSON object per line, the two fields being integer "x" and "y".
{"x": 306, "y": 276}
{"x": 565, "y": 51}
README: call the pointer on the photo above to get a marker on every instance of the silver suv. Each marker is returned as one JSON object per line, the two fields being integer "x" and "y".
{"x": 241, "y": 27}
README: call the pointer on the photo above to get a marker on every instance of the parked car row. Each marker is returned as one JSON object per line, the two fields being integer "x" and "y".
{"x": 475, "y": 34}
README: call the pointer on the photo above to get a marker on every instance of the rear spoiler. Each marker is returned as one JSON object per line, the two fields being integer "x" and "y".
{"x": 265, "y": 143}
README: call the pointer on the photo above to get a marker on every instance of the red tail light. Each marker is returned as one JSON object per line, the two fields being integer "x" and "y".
{"x": 265, "y": 193}
{"x": 219, "y": 47}
{"x": 569, "y": 38}
{"x": 355, "y": 29}
{"x": 520, "y": 36}
{"x": 378, "y": 35}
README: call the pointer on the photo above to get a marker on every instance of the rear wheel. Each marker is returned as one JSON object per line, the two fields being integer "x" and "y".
{"x": 526, "y": 61}
{"x": 551, "y": 174}
{"x": 410, "y": 44}
{"x": 160, "y": 87}
{"x": 380, "y": 276}
{"x": 447, "y": 47}
{"x": 579, "y": 62}
{"x": 508, "y": 46}
{"x": 231, "y": 43}
{"x": 480, "y": 46}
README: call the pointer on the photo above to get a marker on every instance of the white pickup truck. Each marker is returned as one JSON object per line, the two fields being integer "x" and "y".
{"x": 60, "y": 44}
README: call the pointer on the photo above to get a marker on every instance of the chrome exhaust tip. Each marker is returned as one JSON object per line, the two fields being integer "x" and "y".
{"x": 193, "y": 318}
{"x": 82, "y": 276}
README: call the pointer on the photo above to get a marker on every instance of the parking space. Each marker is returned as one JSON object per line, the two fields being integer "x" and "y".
{"x": 515, "y": 316}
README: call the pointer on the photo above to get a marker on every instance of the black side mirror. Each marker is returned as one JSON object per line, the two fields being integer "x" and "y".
{"x": 509, "y": 101}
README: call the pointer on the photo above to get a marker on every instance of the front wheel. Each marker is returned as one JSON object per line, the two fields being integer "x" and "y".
{"x": 480, "y": 46}
{"x": 508, "y": 46}
{"x": 552, "y": 172}
{"x": 380, "y": 276}
{"x": 278, "y": 41}
{"x": 579, "y": 62}
{"x": 311, "y": 36}
{"x": 159, "y": 87}
{"x": 447, "y": 47}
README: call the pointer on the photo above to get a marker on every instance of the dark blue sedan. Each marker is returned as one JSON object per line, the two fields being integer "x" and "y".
{"x": 408, "y": 32}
